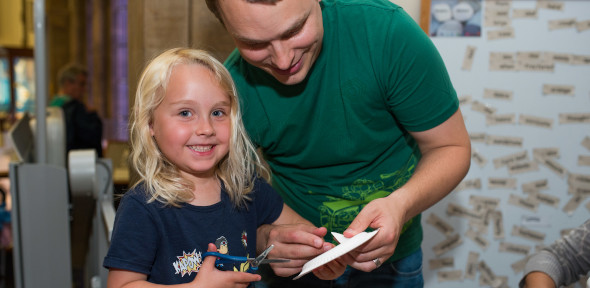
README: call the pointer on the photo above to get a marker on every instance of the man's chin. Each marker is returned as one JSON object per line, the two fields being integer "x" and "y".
{"x": 293, "y": 79}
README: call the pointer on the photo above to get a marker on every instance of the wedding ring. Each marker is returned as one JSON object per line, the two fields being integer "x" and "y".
{"x": 377, "y": 262}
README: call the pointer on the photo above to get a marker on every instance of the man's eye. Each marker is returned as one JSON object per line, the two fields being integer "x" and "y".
{"x": 292, "y": 33}
{"x": 255, "y": 45}
{"x": 258, "y": 46}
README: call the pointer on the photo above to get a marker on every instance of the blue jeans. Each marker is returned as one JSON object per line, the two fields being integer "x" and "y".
{"x": 406, "y": 272}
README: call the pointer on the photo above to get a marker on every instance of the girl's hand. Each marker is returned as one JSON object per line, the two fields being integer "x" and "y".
{"x": 211, "y": 277}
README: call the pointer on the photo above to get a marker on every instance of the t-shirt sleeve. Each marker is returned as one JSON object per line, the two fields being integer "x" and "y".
{"x": 268, "y": 203}
{"x": 420, "y": 92}
{"x": 134, "y": 239}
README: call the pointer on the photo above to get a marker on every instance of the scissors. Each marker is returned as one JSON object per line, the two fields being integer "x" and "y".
{"x": 254, "y": 262}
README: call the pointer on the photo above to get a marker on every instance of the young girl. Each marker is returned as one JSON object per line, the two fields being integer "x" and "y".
{"x": 201, "y": 181}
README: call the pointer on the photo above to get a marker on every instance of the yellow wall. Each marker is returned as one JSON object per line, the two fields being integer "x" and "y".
{"x": 12, "y": 24}
{"x": 11, "y": 13}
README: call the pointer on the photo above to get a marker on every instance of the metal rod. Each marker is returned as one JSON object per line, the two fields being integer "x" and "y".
{"x": 40, "y": 82}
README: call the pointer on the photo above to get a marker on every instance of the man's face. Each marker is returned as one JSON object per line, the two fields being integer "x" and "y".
{"x": 284, "y": 39}
{"x": 77, "y": 87}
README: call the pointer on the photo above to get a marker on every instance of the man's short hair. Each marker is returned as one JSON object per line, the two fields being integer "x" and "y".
{"x": 70, "y": 72}
{"x": 213, "y": 6}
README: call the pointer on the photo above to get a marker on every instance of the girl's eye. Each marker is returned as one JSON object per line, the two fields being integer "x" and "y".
{"x": 185, "y": 113}
{"x": 218, "y": 113}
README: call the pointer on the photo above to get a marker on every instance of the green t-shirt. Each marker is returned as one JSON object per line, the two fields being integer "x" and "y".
{"x": 339, "y": 139}
{"x": 59, "y": 100}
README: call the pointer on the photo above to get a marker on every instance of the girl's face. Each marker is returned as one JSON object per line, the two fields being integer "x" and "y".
{"x": 192, "y": 124}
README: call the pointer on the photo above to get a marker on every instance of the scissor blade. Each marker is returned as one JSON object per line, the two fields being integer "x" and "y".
{"x": 265, "y": 252}
{"x": 267, "y": 261}
{"x": 258, "y": 260}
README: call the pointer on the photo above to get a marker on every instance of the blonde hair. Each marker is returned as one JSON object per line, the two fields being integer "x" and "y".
{"x": 160, "y": 177}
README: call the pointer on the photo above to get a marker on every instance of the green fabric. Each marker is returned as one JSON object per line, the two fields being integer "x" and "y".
{"x": 339, "y": 139}
{"x": 59, "y": 100}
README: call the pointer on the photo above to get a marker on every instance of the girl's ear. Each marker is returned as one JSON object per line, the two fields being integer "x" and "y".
{"x": 151, "y": 129}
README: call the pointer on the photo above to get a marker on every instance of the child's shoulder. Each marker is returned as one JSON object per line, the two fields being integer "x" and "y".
{"x": 261, "y": 186}
{"x": 263, "y": 192}
{"x": 136, "y": 193}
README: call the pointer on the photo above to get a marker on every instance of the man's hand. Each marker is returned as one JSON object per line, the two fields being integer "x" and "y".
{"x": 380, "y": 213}
{"x": 297, "y": 242}
{"x": 446, "y": 156}
{"x": 334, "y": 268}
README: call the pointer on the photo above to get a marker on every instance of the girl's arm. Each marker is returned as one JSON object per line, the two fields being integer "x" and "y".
{"x": 207, "y": 277}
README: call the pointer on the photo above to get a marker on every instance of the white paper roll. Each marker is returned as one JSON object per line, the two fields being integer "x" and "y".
{"x": 82, "y": 172}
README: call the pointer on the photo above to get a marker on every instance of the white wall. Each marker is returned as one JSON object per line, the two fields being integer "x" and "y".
{"x": 412, "y": 7}
{"x": 530, "y": 35}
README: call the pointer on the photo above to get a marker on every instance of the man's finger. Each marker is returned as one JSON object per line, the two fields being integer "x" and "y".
{"x": 295, "y": 251}
{"x": 360, "y": 222}
{"x": 298, "y": 234}
{"x": 364, "y": 266}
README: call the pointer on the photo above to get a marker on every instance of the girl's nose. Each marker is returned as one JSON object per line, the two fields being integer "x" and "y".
{"x": 204, "y": 128}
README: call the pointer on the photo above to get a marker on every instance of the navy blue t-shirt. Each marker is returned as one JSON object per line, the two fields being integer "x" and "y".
{"x": 166, "y": 242}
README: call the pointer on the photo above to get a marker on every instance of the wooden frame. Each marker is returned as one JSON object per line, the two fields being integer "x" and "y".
{"x": 7, "y": 118}
{"x": 425, "y": 15}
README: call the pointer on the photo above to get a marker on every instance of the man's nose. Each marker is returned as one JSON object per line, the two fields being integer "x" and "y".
{"x": 282, "y": 55}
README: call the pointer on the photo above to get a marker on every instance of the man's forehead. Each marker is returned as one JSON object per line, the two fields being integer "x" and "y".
{"x": 259, "y": 24}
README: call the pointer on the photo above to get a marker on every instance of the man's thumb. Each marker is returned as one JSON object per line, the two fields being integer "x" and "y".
{"x": 359, "y": 224}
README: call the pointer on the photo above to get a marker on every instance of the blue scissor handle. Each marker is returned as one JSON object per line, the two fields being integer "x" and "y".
{"x": 224, "y": 258}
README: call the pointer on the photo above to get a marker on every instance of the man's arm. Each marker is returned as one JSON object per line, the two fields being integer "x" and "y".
{"x": 446, "y": 153}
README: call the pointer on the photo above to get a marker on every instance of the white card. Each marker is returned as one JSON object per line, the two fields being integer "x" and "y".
{"x": 346, "y": 245}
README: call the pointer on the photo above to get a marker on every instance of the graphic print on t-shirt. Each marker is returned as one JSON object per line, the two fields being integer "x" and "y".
{"x": 191, "y": 262}
{"x": 188, "y": 263}
{"x": 245, "y": 239}
{"x": 337, "y": 213}
{"x": 221, "y": 244}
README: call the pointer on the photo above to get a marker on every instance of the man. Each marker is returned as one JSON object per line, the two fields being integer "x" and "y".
{"x": 83, "y": 126}
{"x": 83, "y": 131}
{"x": 355, "y": 114}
